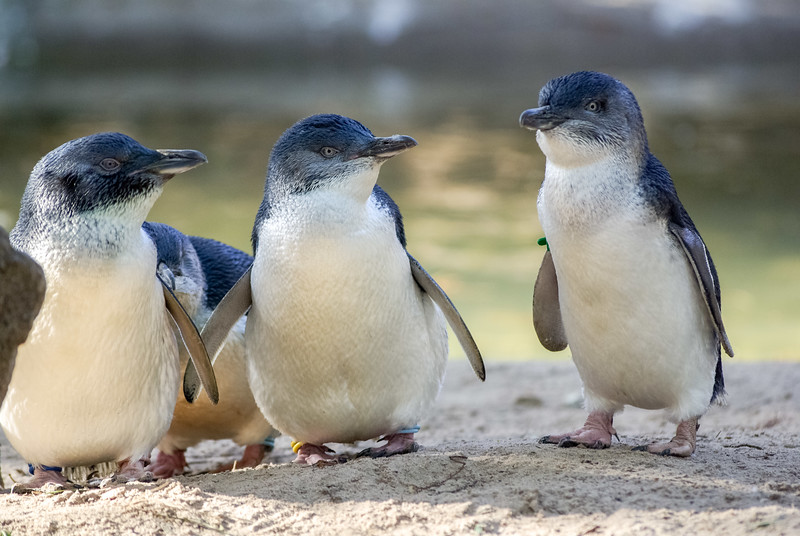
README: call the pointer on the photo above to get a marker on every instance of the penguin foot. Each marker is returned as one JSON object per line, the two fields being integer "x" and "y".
{"x": 395, "y": 444}
{"x": 168, "y": 465}
{"x": 132, "y": 470}
{"x": 317, "y": 455}
{"x": 682, "y": 445}
{"x": 252, "y": 456}
{"x": 595, "y": 434}
{"x": 44, "y": 479}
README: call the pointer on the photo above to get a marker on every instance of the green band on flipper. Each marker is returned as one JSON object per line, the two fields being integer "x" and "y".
{"x": 543, "y": 242}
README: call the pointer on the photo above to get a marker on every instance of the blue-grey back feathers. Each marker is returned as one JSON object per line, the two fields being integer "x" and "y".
{"x": 222, "y": 266}
{"x": 387, "y": 203}
{"x": 211, "y": 264}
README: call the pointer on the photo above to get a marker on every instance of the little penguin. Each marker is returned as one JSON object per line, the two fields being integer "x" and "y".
{"x": 627, "y": 281}
{"x": 346, "y": 339}
{"x": 200, "y": 271}
{"x": 97, "y": 378}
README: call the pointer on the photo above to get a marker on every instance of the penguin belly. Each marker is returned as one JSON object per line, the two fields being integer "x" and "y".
{"x": 634, "y": 317}
{"x": 342, "y": 344}
{"x": 97, "y": 378}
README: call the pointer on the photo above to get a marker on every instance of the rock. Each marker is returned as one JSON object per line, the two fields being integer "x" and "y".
{"x": 22, "y": 288}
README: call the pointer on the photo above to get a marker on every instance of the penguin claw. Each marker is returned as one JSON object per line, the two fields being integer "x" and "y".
{"x": 681, "y": 446}
{"x": 317, "y": 455}
{"x": 597, "y": 444}
{"x": 678, "y": 449}
{"x": 44, "y": 480}
{"x": 596, "y": 433}
{"x": 132, "y": 471}
{"x": 395, "y": 444}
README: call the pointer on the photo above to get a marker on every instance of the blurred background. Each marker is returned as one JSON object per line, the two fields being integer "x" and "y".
{"x": 718, "y": 81}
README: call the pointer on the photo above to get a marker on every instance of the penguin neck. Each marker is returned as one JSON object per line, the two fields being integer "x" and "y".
{"x": 579, "y": 197}
{"x": 335, "y": 200}
{"x": 101, "y": 234}
{"x": 358, "y": 186}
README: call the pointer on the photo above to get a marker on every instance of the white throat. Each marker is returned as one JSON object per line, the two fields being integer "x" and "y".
{"x": 101, "y": 233}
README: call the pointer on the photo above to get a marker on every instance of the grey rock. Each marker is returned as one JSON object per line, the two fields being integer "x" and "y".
{"x": 22, "y": 287}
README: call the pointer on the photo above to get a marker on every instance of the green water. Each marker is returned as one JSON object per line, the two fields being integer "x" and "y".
{"x": 468, "y": 193}
{"x": 718, "y": 91}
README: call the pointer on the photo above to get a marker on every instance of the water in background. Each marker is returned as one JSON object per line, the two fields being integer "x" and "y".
{"x": 718, "y": 83}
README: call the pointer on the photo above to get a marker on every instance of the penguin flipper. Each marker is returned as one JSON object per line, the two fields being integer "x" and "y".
{"x": 194, "y": 344}
{"x": 546, "y": 308}
{"x": 427, "y": 283}
{"x": 700, "y": 260}
{"x": 230, "y": 309}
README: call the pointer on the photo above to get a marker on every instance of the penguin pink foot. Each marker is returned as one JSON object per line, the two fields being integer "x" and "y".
{"x": 169, "y": 465}
{"x": 129, "y": 471}
{"x": 682, "y": 445}
{"x": 399, "y": 443}
{"x": 43, "y": 477}
{"x": 595, "y": 434}
{"x": 318, "y": 455}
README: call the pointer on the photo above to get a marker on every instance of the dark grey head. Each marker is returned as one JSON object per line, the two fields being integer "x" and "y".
{"x": 326, "y": 151}
{"x": 93, "y": 183}
{"x": 585, "y": 116}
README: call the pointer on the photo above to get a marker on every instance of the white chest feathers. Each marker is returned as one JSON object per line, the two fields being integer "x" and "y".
{"x": 98, "y": 376}
{"x": 632, "y": 310}
{"x": 342, "y": 344}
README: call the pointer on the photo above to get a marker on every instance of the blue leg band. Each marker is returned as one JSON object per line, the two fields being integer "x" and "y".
{"x": 45, "y": 467}
{"x": 269, "y": 441}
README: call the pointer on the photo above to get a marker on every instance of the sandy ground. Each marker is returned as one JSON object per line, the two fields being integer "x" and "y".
{"x": 480, "y": 471}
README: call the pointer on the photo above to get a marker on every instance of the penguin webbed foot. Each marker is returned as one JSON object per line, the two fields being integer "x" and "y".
{"x": 595, "y": 434}
{"x": 317, "y": 455}
{"x": 45, "y": 480}
{"x": 168, "y": 465}
{"x": 395, "y": 444}
{"x": 681, "y": 446}
{"x": 130, "y": 470}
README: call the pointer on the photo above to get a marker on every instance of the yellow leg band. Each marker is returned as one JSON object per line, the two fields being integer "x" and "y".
{"x": 296, "y": 445}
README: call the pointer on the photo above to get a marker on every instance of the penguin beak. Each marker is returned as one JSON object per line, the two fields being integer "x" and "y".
{"x": 541, "y": 118}
{"x": 174, "y": 161}
{"x": 386, "y": 147}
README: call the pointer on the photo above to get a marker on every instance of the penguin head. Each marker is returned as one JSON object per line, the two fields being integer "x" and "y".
{"x": 107, "y": 177}
{"x": 584, "y": 117}
{"x": 329, "y": 151}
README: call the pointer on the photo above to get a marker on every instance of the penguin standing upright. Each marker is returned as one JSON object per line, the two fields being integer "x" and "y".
{"x": 627, "y": 281}
{"x": 97, "y": 379}
{"x": 346, "y": 339}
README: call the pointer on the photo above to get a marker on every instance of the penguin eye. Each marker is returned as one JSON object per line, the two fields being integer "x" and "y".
{"x": 594, "y": 106}
{"x": 328, "y": 152}
{"x": 110, "y": 164}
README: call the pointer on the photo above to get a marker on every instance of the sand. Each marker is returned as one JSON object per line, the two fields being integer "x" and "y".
{"x": 480, "y": 471}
